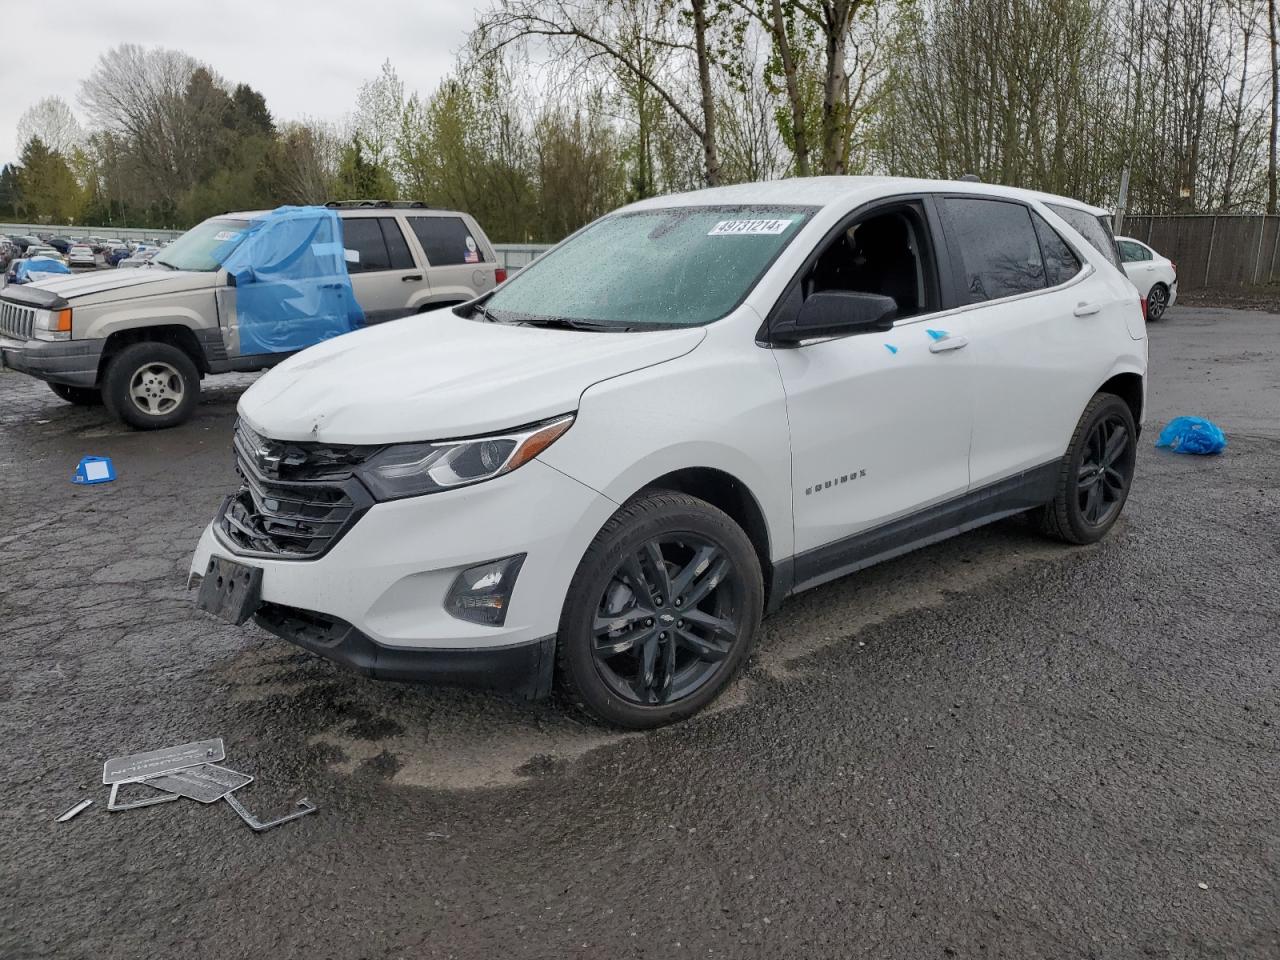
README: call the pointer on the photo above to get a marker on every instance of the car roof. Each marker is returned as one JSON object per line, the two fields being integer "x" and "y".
{"x": 354, "y": 212}
{"x": 844, "y": 192}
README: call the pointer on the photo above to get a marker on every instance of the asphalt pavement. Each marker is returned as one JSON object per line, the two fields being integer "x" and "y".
{"x": 994, "y": 747}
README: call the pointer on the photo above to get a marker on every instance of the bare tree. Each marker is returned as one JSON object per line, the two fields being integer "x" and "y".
{"x": 832, "y": 22}
{"x": 379, "y": 106}
{"x": 53, "y": 122}
{"x": 588, "y": 30}
{"x": 138, "y": 94}
{"x": 1275, "y": 108}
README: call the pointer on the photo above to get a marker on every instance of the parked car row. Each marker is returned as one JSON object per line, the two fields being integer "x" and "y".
{"x": 602, "y": 472}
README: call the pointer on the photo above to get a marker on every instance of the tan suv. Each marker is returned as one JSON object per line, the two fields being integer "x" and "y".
{"x": 141, "y": 340}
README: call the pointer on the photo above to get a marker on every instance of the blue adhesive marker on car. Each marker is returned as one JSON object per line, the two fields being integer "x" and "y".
{"x": 891, "y": 348}
{"x": 937, "y": 334}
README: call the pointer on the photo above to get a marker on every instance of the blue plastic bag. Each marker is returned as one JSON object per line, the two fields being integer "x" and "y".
{"x": 1192, "y": 435}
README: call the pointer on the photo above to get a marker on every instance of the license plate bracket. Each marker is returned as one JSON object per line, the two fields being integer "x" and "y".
{"x": 230, "y": 591}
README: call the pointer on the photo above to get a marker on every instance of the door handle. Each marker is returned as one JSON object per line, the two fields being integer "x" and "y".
{"x": 948, "y": 343}
{"x": 412, "y": 277}
{"x": 1086, "y": 309}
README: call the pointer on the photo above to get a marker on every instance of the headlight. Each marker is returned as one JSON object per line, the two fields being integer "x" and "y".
{"x": 412, "y": 469}
{"x": 52, "y": 325}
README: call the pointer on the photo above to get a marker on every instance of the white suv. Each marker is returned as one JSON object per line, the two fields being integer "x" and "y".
{"x": 608, "y": 469}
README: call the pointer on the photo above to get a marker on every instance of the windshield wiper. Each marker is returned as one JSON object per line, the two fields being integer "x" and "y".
{"x": 574, "y": 323}
{"x": 163, "y": 263}
{"x": 481, "y": 309}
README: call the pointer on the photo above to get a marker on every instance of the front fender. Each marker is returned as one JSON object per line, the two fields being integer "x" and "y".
{"x": 195, "y": 311}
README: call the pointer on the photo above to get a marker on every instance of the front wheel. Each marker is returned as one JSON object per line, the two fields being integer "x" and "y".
{"x": 661, "y": 612}
{"x": 1095, "y": 475}
{"x": 1157, "y": 302}
{"x": 151, "y": 385}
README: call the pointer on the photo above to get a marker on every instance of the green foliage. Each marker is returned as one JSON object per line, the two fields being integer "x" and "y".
{"x": 362, "y": 179}
{"x": 46, "y": 186}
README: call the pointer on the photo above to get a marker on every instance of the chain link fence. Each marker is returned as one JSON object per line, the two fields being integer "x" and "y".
{"x": 1211, "y": 250}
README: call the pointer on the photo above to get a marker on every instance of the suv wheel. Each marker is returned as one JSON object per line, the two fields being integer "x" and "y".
{"x": 151, "y": 385}
{"x": 80, "y": 396}
{"x": 1096, "y": 474}
{"x": 661, "y": 612}
{"x": 1157, "y": 302}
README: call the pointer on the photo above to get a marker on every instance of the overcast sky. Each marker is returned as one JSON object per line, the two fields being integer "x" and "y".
{"x": 307, "y": 57}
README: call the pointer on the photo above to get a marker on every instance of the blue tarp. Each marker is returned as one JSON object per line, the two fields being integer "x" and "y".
{"x": 39, "y": 265}
{"x": 292, "y": 287}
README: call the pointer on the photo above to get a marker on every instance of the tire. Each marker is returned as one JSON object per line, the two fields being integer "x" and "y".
{"x": 689, "y": 662}
{"x": 1099, "y": 463}
{"x": 151, "y": 385}
{"x": 80, "y": 396}
{"x": 1157, "y": 302}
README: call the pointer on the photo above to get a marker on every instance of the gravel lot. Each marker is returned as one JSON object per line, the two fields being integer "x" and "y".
{"x": 995, "y": 747}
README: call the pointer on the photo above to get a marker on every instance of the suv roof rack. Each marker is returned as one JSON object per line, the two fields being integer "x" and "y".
{"x": 380, "y": 204}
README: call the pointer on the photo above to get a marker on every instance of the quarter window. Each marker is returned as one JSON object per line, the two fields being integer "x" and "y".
{"x": 998, "y": 249}
{"x": 446, "y": 241}
{"x": 1094, "y": 229}
{"x": 1060, "y": 261}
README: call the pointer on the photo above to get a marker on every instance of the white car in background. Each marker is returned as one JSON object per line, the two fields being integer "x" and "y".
{"x": 81, "y": 256}
{"x": 1155, "y": 276}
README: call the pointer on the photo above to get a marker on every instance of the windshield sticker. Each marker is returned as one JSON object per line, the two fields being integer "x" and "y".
{"x": 222, "y": 236}
{"x": 749, "y": 228}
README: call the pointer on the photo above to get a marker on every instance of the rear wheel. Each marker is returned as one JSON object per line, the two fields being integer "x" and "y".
{"x": 1095, "y": 475}
{"x": 661, "y": 612}
{"x": 1157, "y": 302}
{"x": 151, "y": 385}
{"x": 80, "y": 396}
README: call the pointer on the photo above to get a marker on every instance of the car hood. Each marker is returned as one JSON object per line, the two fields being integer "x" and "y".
{"x": 437, "y": 376}
{"x": 104, "y": 286}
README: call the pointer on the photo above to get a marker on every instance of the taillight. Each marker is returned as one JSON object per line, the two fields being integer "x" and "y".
{"x": 499, "y": 274}
{"x": 1143, "y": 301}
{"x": 1175, "y": 267}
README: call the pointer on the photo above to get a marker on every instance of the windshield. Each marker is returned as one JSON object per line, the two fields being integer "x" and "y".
{"x": 680, "y": 266}
{"x": 205, "y": 245}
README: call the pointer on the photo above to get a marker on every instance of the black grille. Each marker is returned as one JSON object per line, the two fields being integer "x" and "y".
{"x": 290, "y": 519}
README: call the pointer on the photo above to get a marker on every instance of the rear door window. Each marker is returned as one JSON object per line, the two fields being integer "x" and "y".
{"x": 1094, "y": 229}
{"x": 447, "y": 241}
{"x": 398, "y": 254}
{"x": 1060, "y": 261}
{"x": 996, "y": 245}
{"x": 1131, "y": 252}
{"x": 363, "y": 235}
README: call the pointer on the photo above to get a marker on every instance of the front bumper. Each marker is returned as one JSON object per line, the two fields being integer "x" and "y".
{"x": 375, "y": 599}
{"x": 526, "y": 669}
{"x": 73, "y": 362}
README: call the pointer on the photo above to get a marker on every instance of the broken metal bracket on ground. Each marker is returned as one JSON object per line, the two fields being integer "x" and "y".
{"x": 257, "y": 826}
{"x": 135, "y": 804}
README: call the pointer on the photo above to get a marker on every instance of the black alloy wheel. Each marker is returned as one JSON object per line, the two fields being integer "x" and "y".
{"x": 667, "y": 619}
{"x": 1105, "y": 471}
{"x": 661, "y": 612}
{"x": 1095, "y": 475}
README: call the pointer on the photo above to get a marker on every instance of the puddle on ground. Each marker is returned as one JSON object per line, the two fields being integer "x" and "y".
{"x": 445, "y": 739}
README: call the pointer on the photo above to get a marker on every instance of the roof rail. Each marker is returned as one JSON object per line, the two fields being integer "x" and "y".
{"x": 379, "y": 204}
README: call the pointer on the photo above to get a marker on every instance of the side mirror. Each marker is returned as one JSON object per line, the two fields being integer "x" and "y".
{"x": 836, "y": 313}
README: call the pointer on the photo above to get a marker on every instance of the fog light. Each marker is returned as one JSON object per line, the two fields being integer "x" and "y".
{"x": 481, "y": 593}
